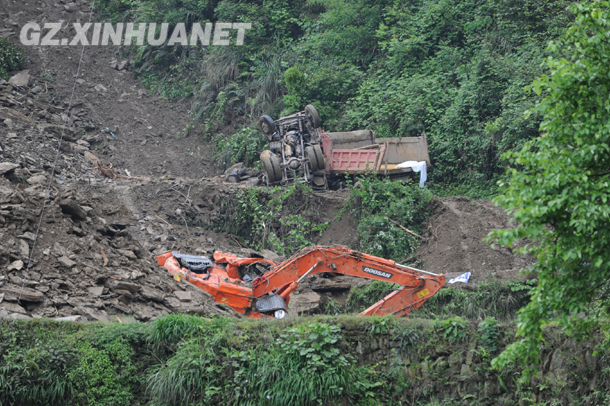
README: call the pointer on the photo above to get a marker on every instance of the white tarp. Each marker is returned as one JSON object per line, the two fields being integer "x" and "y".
{"x": 417, "y": 166}
{"x": 462, "y": 278}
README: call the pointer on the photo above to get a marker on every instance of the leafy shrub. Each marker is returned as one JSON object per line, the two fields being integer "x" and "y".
{"x": 243, "y": 146}
{"x": 380, "y": 200}
{"x": 38, "y": 375}
{"x": 490, "y": 335}
{"x": 11, "y": 58}
{"x": 268, "y": 220}
{"x": 454, "y": 329}
{"x": 303, "y": 367}
{"x": 106, "y": 375}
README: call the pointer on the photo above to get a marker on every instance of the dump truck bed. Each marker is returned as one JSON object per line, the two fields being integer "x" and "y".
{"x": 358, "y": 152}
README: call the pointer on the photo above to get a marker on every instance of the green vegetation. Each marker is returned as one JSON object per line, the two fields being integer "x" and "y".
{"x": 244, "y": 146}
{"x": 490, "y": 335}
{"x": 363, "y": 296}
{"x": 283, "y": 219}
{"x": 559, "y": 190}
{"x": 454, "y": 329}
{"x": 378, "y": 202}
{"x": 452, "y": 69}
{"x": 495, "y": 300}
{"x": 190, "y": 360}
{"x": 11, "y": 58}
{"x": 362, "y": 361}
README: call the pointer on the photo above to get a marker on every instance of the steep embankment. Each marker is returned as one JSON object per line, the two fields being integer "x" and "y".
{"x": 95, "y": 251}
{"x": 351, "y": 360}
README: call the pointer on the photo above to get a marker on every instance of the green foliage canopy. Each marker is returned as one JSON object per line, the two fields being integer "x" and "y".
{"x": 559, "y": 190}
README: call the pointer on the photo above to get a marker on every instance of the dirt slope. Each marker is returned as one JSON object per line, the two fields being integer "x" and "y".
{"x": 455, "y": 241}
{"x": 95, "y": 255}
{"x": 149, "y": 137}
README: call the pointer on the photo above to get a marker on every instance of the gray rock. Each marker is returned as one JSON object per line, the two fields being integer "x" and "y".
{"x": 65, "y": 261}
{"x": 67, "y": 318}
{"x": 6, "y": 167}
{"x": 21, "y": 79}
{"x": 15, "y": 266}
{"x": 24, "y": 249}
{"x": 12, "y": 308}
{"x": 5, "y": 194}
{"x": 127, "y": 253}
{"x": 183, "y": 296}
{"x": 98, "y": 315}
{"x": 36, "y": 179}
{"x": 152, "y": 294}
{"x": 272, "y": 256}
{"x": 71, "y": 7}
{"x": 27, "y": 236}
{"x": 70, "y": 207}
{"x": 144, "y": 313}
{"x": 14, "y": 293}
{"x": 19, "y": 316}
{"x": 96, "y": 290}
{"x": 122, "y": 285}
{"x": 304, "y": 302}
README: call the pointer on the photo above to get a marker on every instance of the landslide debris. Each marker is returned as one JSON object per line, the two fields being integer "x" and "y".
{"x": 455, "y": 245}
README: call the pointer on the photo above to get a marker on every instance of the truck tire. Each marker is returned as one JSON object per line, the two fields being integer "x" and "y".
{"x": 313, "y": 115}
{"x": 271, "y": 165}
{"x": 267, "y": 125}
{"x": 320, "y": 157}
{"x": 312, "y": 158}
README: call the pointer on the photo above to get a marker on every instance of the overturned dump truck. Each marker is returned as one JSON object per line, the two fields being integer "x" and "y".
{"x": 301, "y": 151}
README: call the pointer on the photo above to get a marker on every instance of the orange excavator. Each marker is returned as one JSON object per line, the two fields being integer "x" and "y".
{"x": 258, "y": 288}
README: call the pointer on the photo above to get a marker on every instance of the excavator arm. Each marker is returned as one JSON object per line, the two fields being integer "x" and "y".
{"x": 240, "y": 283}
{"x": 417, "y": 286}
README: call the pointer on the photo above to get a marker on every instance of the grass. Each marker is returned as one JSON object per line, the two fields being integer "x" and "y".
{"x": 331, "y": 360}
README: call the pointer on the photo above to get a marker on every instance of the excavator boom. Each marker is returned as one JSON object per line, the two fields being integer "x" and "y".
{"x": 267, "y": 289}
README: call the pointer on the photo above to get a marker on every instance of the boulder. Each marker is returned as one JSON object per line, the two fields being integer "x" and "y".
{"x": 21, "y": 79}
{"x": 14, "y": 293}
{"x": 304, "y": 303}
{"x": 70, "y": 207}
{"x": 36, "y": 179}
{"x": 6, "y": 167}
{"x": 152, "y": 294}
{"x": 71, "y": 7}
{"x": 12, "y": 308}
{"x": 122, "y": 285}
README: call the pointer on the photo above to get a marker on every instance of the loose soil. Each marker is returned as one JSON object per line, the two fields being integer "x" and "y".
{"x": 94, "y": 258}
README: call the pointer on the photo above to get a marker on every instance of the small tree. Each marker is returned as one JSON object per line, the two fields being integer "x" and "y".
{"x": 560, "y": 193}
